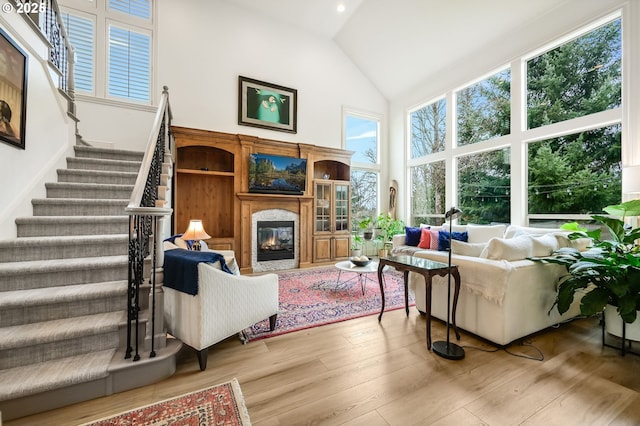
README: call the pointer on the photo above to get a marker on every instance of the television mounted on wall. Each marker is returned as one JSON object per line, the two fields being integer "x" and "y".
{"x": 277, "y": 174}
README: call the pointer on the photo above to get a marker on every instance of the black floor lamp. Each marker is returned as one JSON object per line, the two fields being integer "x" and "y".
{"x": 447, "y": 349}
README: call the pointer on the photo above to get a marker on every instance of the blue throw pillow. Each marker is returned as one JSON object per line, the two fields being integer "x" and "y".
{"x": 412, "y": 236}
{"x": 443, "y": 238}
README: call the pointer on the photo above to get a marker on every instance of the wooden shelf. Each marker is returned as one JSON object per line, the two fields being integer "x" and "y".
{"x": 205, "y": 172}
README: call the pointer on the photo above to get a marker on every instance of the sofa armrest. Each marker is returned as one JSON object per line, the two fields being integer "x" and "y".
{"x": 398, "y": 240}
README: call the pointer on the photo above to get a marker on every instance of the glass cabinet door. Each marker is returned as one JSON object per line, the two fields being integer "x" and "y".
{"x": 323, "y": 207}
{"x": 341, "y": 207}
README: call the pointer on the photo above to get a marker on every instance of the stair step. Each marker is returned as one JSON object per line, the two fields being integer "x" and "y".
{"x": 42, "y": 226}
{"x": 44, "y": 341}
{"x": 100, "y": 164}
{"x": 56, "y": 374}
{"x": 88, "y": 190}
{"x": 108, "y": 153}
{"x": 64, "y": 247}
{"x": 62, "y": 272}
{"x": 78, "y": 207}
{"x": 95, "y": 176}
{"x": 52, "y": 303}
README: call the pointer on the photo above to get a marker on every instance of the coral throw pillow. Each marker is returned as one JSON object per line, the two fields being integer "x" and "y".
{"x": 425, "y": 239}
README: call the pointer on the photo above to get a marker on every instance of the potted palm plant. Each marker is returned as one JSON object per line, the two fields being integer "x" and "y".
{"x": 608, "y": 273}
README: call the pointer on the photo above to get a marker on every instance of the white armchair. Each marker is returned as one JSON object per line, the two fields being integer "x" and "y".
{"x": 224, "y": 305}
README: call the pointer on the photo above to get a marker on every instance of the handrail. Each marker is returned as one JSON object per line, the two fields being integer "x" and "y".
{"x": 163, "y": 114}
{"x": 145, "y": 230}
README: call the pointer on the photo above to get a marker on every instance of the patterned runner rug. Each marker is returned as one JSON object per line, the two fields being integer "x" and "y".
{"x": 222, "y": 404}
{"x": 313, "y": 297}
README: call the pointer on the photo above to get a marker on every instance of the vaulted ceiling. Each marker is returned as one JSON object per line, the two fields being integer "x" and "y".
{"x": 400, "y": 43}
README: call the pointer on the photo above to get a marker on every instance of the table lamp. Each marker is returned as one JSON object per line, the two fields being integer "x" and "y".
{"x": 447, "y": 349}
{"x": 195, "y": 232}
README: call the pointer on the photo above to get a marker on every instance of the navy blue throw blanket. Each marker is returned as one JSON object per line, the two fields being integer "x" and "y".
{"x": 181, "y": 268}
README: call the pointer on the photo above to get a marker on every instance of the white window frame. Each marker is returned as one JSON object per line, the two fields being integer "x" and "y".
{"x": 103, "y": 17}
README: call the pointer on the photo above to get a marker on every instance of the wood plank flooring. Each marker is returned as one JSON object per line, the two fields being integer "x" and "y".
{"x": 362, "y": 372}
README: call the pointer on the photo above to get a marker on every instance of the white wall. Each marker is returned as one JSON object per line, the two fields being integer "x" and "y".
{"x": 49, "y": 133}
{"x": 206, "y": 45}
{"x": 570, "y": 16}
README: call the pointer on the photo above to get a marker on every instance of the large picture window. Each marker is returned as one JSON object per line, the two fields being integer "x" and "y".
{"x": 552, "y": 156}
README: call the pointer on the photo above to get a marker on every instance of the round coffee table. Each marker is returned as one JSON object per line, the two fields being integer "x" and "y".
{"x": 362, "y": 272}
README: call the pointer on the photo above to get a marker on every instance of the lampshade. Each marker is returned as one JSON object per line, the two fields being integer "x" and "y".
{"x": 195, "y": 231}
{"x": 454, "y": 213}
{"x": 631, "y": 180}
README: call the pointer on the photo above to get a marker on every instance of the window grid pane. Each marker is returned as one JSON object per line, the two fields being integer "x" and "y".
{"x": 364, "y": 195}
{"x": 575, "y": 174}
{"x": 81, "y": 36}
{"x": 428, "y": 129}
{"x": 137, "y": 8}
{"x": 428, "y": 193}
{"x": 362, "y": 138}
{"x": 484, "y": 182}
{"x": 129, "y": 64}
{"x": 484, "y": 109}
{"x": 580, "y": 77}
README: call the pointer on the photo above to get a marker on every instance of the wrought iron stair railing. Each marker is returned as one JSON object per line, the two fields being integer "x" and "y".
{"x": 145, "y": 234}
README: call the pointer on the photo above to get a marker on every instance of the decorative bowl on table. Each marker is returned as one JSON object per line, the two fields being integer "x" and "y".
{"x": 360, "y": 261}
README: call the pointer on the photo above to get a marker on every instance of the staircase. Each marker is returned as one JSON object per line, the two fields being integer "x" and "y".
{"x": 63, "y": 292}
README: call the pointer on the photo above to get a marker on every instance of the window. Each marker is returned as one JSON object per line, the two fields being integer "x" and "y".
{"x": 362, "y": 137}
{"x": 578, "y": 173}
{"x": 113, "y": 41}
{"x": 484, "y": 181}
{"x": 428, "y": 129}
{"x": 578, "y": 78}
{"x": 129, "y": 64}
{"x": 428, "y": 193}
{"x": 484, "y": 109}
{"x": 566, "y": 134}
{"x": 82, "y": 35}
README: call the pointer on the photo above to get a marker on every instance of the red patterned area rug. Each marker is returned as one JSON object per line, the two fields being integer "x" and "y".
{"x": 313, "y": 297}
{"x": 222, "y": 404}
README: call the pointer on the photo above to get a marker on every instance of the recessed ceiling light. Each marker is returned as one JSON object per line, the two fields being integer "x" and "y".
{"x": 341, "y": 8}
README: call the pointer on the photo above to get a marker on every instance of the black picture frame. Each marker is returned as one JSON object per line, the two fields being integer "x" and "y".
{"x": 267, "y": 105}
{"x": 13, "y": 92}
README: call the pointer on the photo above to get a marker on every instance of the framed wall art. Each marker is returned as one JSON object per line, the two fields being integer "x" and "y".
{"x": 13, "y": 91}
{"x": 267, "y": 105}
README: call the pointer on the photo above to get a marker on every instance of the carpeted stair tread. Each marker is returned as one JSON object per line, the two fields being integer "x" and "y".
{"x": 96, "y": 176}
{"x": 78, "y": 206}
{"x": 49, "y": 375}
{"x": 88, "y": 186}
{"x": 60, "y": 247}
{"x": 61, "y": 294}
{"x": 44, "y": 266}
{"x": 96, "y": 152}
{"x": 103, "y": 164}
{"x": 62, "y": 329}
{"x": 34, "y": 226}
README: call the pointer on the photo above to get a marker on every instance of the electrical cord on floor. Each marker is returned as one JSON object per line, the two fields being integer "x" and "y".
{"x": 538, "y": 357}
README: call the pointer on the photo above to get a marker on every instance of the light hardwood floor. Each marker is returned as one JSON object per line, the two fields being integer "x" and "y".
{"x": 360, "y": 372}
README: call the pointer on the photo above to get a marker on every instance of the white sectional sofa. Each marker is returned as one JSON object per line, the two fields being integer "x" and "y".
{"x": 504, "y": 296}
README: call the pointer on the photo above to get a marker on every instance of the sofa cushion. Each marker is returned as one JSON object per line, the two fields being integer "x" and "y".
{"x": 515, "y": 230}
{"x": 483, "y": 233}
{"x": 516, "y": 248}
{"x": 443, "y": 238}
{"x": 467, "y": 249}
{"x": 412, "y": 236}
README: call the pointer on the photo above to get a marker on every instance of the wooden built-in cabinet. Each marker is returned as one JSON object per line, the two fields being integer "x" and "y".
{"x": 211, "y": 183}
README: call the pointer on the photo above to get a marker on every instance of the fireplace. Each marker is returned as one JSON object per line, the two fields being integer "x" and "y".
{"x": 275, "y": 240}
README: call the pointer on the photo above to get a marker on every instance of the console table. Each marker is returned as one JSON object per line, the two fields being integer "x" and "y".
{"x": 428, "y": 269}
